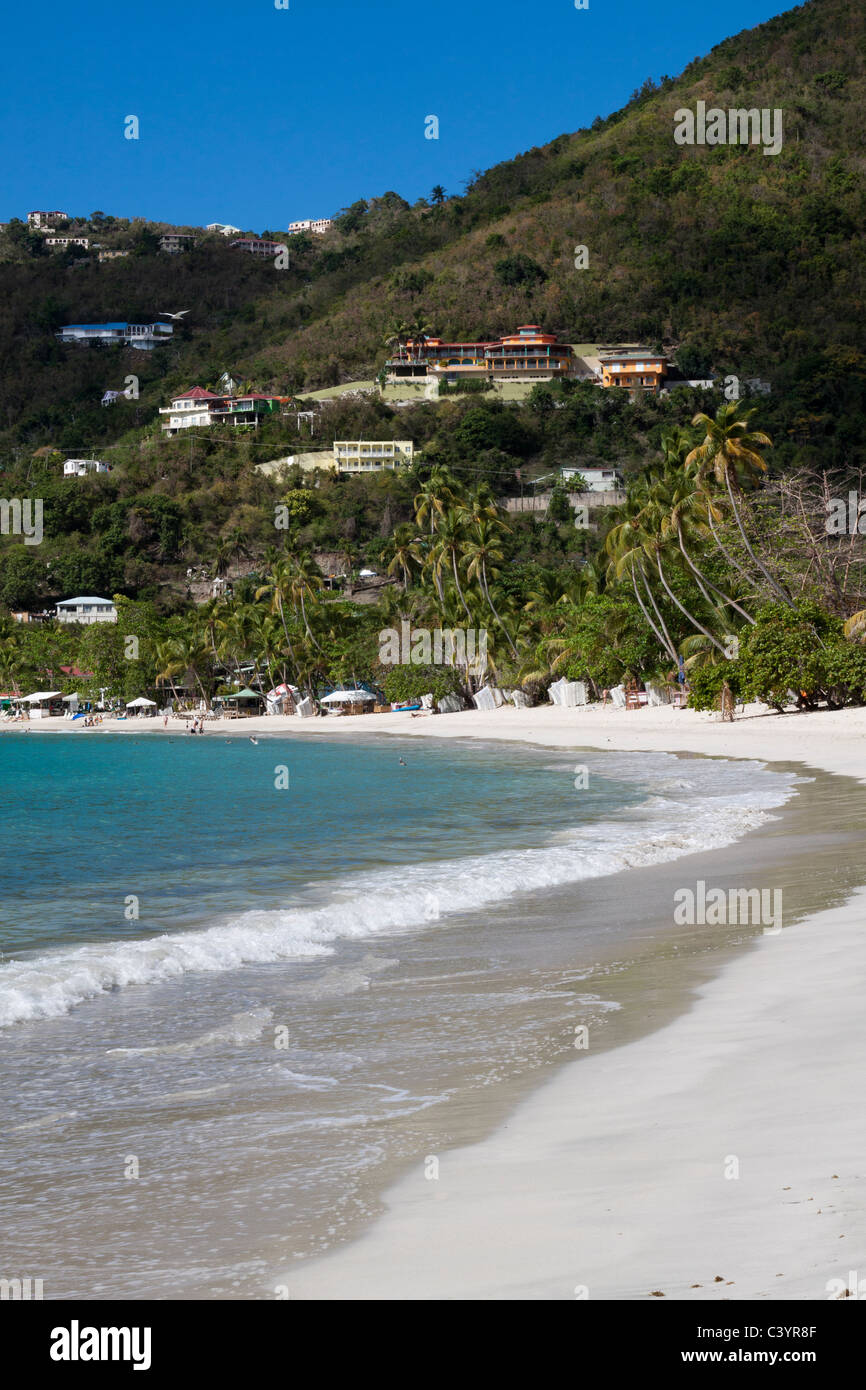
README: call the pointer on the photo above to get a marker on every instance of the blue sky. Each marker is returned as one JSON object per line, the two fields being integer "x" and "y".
{"x": 257, "y": 116}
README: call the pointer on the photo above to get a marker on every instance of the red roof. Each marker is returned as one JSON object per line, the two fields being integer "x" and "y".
{"x": 198, "y": 393}
{"x": 74, "y": 671}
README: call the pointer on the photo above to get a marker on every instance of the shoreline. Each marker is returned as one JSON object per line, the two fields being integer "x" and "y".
{"x": 614, "y": 1179}
{"x": 610, "y": 1175}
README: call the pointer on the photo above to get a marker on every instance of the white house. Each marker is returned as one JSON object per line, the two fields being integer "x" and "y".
{"x": 43, "y": 219}
{"x": 224, "y": 228}
{"x": 86, "y": 610}
{"x": 597, "y": 479}
{"x": 79, "y": 468}
{"x": 64, "y": 241}
{"x": 319, "y": 225}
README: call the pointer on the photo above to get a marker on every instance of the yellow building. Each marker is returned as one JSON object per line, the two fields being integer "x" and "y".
{"x": 371, "y": 455}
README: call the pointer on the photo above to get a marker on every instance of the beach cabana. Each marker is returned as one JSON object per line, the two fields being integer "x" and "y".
{"x": 347, "y": 701}
{"x": 244, "y": 703}
{"x": 141, "y": 704}
{"x": 44, "y": 704}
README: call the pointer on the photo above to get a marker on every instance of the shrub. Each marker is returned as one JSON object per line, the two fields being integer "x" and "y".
{"x": 411, "y": 682}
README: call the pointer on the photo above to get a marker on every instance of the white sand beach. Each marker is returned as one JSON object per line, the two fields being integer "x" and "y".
{"x": 610, "y": 1181}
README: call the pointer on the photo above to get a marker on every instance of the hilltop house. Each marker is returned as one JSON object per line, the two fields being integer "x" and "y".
{"x": 224, "y": 228}
{"x": 44, "y": 219}
{"x": 136, "y": 335}
{"x": 86, "y": 610}
{"x": 527, "y": 355}
{"x": 199, "y": 407}
{"x": 79, "y": 468}
{"x": 319, "y": 225}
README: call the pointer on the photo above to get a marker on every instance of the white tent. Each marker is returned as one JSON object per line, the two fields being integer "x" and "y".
{"x": 568, "y": 693}
{"x": 140, "y": 703}
{"x": 489, "y": 697}
{"x": 347, "y": 697}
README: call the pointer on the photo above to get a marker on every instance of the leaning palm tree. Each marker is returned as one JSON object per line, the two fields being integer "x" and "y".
{"x": 729, "y": 450}
{"x": 483, "y": 553}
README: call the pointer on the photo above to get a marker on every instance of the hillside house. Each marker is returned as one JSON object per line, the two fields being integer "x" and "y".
{"x": 173, "y": 242}
{"x": 527, "y": 355}
{"x": 79, "y": 468}
{"x": 636, "y": 369}
{"x": 135, "y": 335}
{"x": 199, "y": 407}
{"x": 318, "y": 225}
{"x": 86, "y": 610}
{"x": 371, "y": 455}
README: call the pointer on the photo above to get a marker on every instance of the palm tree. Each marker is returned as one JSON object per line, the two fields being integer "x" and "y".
{"x": 419, "y": 330}
{"x": 483, "y": 553}
{"x": 405, "y": 555}
{"x": 687, "y": 510}
{"x": 447, "y": 552}
{"x": 728, "y": 449}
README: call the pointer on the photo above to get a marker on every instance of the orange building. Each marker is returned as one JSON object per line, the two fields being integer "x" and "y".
{"x": 633, "y": 368}
{"x": 528, "y": 353}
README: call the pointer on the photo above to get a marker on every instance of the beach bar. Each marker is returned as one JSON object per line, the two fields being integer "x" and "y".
{"x": 44, "y": 704}
{"x": 244, "y": 704}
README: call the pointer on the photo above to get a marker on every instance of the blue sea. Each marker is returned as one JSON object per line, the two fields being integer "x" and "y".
{"x": 237, "y": 979}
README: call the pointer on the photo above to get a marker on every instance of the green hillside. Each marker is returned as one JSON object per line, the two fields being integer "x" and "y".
{"x": 735, "y": 261}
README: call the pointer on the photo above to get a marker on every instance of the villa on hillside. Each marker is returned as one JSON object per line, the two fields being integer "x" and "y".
{"x": 527, "y": 355}
{"x": 173, "y": 242}
{"x": 633, "y": 368}
{"x": 45, "y": 219}
{"x": 199, "y": 407}
{"x": 319, "y": 225}
{"x": 136, "y": 335}
{"x": 86, "y": 610}
{"x": 224, "y": 228}
{"x": 254, "y": 246}
{"x": 64, "y": 241}
{"x": 371, "y": 455}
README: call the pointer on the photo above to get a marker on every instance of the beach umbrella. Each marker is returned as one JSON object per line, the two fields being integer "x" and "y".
{"x": 347, "y": 697}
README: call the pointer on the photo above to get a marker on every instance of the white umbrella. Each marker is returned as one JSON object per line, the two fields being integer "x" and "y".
{"x": 347, "y": 697}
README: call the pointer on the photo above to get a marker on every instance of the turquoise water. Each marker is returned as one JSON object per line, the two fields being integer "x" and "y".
{"x": 198, "y": 828}
{"x": 320, "y": 977}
